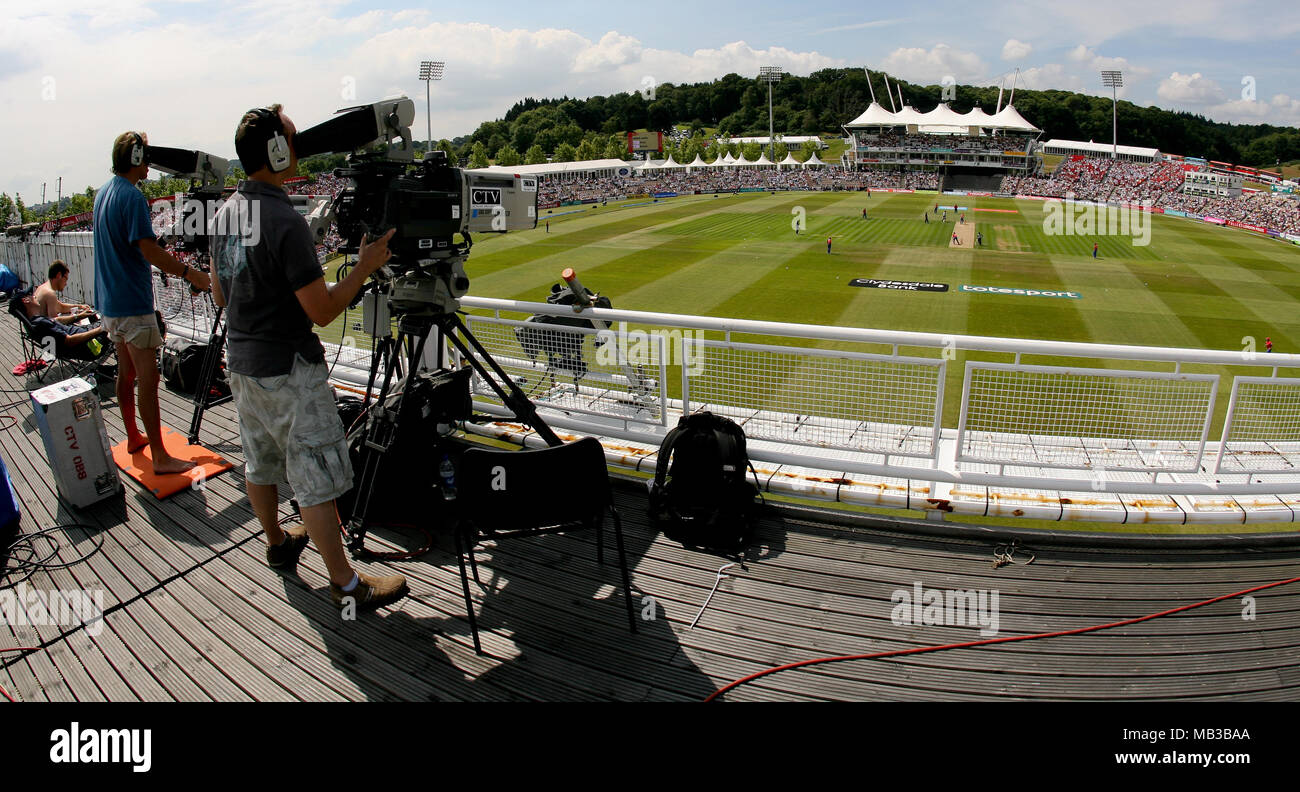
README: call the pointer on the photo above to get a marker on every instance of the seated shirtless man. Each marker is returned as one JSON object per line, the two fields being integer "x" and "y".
{"x": 47, "y": 296}
{"x": 64, "y": 327}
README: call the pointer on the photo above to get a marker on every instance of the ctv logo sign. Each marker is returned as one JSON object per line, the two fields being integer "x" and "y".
{"x": 485, "y": 196}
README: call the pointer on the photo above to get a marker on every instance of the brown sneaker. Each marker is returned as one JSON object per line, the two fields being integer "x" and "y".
{"x": 285, "y": 555}
{"x": 371, "y": 592}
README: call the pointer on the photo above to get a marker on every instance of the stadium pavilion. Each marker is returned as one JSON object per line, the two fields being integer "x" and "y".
{"x": 971, "y": 150}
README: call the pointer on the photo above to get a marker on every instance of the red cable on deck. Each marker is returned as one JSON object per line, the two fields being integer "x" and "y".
{"x": 4, "y": 692}
{"x": 1007, "y": 639}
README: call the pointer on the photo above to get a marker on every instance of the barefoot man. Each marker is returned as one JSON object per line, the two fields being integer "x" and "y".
{"x": 125, "y": 246}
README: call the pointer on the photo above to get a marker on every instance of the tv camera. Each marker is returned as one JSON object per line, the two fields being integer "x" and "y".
{"x": 434, "y": 210}
{"x": 428, "y": 202}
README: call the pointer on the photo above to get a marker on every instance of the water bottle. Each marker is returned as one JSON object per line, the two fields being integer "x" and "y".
{"x": 447, "y": 472}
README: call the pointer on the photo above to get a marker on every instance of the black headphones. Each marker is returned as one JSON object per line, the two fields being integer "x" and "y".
{"x": 137, "y": 150}
{"x": 277, "y": 146}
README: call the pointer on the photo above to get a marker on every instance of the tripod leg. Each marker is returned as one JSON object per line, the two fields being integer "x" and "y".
{"x": 216, "y": 342}
{"x": 510, "y": 394}
{"x": 377, "y": 434}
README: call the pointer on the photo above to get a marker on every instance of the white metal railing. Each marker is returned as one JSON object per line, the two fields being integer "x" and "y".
{"x": 1024, "y": 426}
{"x": 871, "y": 402}
{"x": 1051, "y": 416}
{"x": 888, "y": 404}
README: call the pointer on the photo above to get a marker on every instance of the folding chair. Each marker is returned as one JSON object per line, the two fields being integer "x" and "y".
{"x": 37, "y": 344}
{"x": 516, "y": 494}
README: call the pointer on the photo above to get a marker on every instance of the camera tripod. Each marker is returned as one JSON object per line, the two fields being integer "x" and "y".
{"x": 382, "y": 419}
{"x": 203, "y": 399}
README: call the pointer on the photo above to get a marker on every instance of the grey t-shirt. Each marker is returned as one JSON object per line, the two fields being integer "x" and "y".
{"x": 266, "y": 325}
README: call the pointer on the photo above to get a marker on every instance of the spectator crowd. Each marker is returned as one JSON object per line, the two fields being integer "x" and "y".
{"x": 681, "y": 181}
{"x": 1159, "y": 184}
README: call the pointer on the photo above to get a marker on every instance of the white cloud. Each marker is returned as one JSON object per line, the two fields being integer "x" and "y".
{"x": 931, "y": 66}
{"x": 186, "y": 83}
{"x": 1015, "y": 50}
{"x": 1189, "y": 89}
{"x": 1087, "y": 72}
{"x": 1281, "y": 110}
{"x": 878, "y": 23}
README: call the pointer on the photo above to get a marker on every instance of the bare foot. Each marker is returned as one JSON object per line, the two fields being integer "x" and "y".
{"x": 136, "y": 442}
{"x": 170, "y": 464}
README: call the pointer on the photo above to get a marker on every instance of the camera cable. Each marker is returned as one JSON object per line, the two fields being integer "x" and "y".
{"x": 989, "y": 641}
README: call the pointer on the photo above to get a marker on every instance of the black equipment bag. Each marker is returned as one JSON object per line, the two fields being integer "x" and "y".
{"x": 701, "y": 496}
{"x": 182, "y": 365}
{"x": 406, "y": 483}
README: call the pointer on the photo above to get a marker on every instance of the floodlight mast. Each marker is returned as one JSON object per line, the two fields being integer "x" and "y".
{"x": 429, "y": 71}
{"x": 1113, "y": 80}
{"x": 770, "y": 75}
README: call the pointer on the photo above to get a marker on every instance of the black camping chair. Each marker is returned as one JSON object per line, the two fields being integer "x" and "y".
{"x": 37, "y": 343}
{"x": 516, "y": 494}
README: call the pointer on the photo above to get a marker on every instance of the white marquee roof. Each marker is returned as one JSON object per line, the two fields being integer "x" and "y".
{"x": 909, "y": 115}
{"x": 942, "y": 118}
{"x": 790, "y": 140}
{"x": 1008, "y": 118}
{"x": 813, "y": 160}
{"x": 874, "y": 115}
{"x": 552, "y": 168}
{"x": 1098, "y": 148}
{"x": 789, "y": 160}
{"x": 943, "y": 115}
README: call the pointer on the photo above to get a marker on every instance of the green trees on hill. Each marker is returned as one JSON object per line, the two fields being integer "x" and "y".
{"x": 821, "y": 102}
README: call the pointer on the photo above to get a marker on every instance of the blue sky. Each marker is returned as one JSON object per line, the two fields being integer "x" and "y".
{"x": 74, "y": 73}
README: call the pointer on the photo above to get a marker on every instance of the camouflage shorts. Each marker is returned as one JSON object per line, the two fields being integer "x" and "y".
{"x": 292, "y": 434}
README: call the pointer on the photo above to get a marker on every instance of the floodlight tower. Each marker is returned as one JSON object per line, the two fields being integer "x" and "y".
{"x": 429, "y": 71}
{"x": 770, "y": 75}
{"x": 1113, "y": 80}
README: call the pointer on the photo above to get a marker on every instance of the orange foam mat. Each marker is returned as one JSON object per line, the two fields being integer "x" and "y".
{"x": 139, "y": 465}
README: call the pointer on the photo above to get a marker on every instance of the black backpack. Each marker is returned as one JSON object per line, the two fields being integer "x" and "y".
{"x": 182, "y": 365}
{"x": 701, "y": 496}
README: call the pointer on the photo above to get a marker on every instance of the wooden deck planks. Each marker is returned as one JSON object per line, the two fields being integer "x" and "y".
{"x": 224, "y": 626}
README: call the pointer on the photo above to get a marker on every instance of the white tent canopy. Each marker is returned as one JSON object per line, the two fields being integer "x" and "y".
{"x": 600, "y": 167}
{"x": 742, "y": 161}
{"x": 789, "y": 160}
{"x": 813, "y": 161}
{"x": 942, "y": 118}
{"x": 698, "y": 162}
{"x": 1008, "y": 118}
{"x": 908, "y": 116}
{"x": 671, "y": 163}
{"x": 943, "y": 115}
{"x": 874, "y": 115}
{"x": 763, "y": 161}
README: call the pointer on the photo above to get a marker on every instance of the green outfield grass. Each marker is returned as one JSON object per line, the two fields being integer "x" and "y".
{"x": 1194, "y": 285}
{"x": 737, "y": 256}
